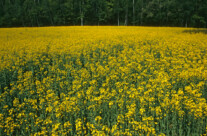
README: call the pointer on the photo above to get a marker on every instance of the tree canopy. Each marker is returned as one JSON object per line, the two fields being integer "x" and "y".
{"x": 189, "y": 13}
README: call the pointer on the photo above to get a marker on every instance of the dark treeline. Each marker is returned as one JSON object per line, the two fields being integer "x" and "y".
{"x": 188, "y": 13}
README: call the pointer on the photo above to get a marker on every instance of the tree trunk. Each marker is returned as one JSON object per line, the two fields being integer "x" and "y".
{"x": 118, "y": 18}
{"x": 126, "y": 14}
{"x": 186, "y": 23}
{"x": 37, "y": 21}
{"x": 167, "y": 7}
{"x": 133, "y": 14}
{"x": 81, "y": 12}
{"x": 159, "y": 12}
{"x": 141, "y": 15}
{"x": 81, "y": 21}
{"x": 118, "y": 22}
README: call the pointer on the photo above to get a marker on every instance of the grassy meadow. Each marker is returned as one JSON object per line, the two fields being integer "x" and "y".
{"x": 103, "y": 81}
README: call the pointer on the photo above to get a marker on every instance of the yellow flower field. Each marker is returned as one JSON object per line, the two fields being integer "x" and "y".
{"x": 103, "y": 81}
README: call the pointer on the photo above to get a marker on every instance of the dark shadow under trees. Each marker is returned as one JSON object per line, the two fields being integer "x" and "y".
{"x": 193, "y": 31}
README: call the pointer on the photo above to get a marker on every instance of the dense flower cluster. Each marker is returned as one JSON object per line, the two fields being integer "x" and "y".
{"x": 102, "y": 81}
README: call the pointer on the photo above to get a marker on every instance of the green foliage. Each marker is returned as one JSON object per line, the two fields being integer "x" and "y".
{"x": 189, "y": 13}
